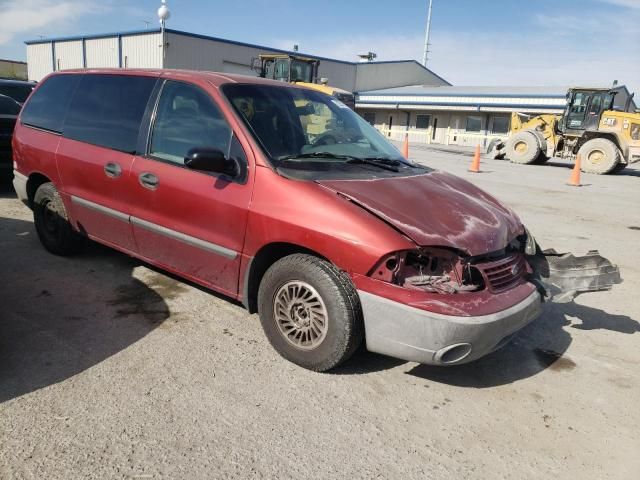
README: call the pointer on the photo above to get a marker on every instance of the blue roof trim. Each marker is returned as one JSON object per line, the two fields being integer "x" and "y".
{"x": 91, "y": 37}
{"x": 449, "y": 104}
{"x": 480, "y": 95}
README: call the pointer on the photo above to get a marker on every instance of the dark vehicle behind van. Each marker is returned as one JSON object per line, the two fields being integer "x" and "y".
{"x": 13, "y": 93}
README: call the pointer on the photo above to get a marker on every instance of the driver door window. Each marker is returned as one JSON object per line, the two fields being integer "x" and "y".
{"x": 187, "y": 118}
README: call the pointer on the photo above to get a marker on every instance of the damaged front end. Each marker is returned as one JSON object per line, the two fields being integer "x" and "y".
{"x": 558, "y": 277}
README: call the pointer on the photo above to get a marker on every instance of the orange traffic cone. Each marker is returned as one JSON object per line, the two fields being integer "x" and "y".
{"x": 405, "y": 146}
{"x": 574, "y": 180}
{"x": 475, "y": 165}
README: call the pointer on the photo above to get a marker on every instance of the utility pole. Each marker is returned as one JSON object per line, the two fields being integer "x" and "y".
{"x": 426, "y": 39}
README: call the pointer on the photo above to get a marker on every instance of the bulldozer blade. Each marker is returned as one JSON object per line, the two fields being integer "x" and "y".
{"x": 562, "y": 277}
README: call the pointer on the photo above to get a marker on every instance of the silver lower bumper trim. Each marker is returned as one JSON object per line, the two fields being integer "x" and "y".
{"x": 415, "y": 335}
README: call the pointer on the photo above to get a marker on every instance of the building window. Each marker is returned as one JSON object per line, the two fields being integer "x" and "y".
{"x": 422, "y": 121}
{"x": 474, "y": 123}
{"x": 500, "y": 125}
{"x": 370, "y": 117}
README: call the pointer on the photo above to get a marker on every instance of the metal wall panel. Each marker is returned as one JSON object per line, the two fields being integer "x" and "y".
{"x": 39, "y": 61}
{"x": 69, "y": 55}
{"x": 373, "y": 76}
{"x": 102, "y": 52}
{"x": 142, "y": 51}
{"x": 211, "y": 55}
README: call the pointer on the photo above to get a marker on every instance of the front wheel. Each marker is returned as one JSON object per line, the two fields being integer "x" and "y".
{"x": 523, "y": 147}
{"x": 310, "y": 312}
{"x": 52, "y": 222}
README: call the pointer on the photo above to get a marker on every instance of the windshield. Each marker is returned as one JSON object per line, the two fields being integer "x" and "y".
{"x": 308, "y": 127}
{"x": 301, "y": 71}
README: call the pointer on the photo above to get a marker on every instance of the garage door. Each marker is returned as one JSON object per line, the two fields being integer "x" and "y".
{"x": 231, "y": 67}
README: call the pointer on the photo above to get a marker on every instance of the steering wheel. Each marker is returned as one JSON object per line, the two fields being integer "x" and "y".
{"x": 328, "y": 138}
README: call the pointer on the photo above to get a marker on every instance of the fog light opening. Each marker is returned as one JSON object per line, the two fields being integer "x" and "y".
{"x": 453, "y": 353}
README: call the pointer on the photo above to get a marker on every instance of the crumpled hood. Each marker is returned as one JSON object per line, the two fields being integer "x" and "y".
{"x": 435, "y": 209}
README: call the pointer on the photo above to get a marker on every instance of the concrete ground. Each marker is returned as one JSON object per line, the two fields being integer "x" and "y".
{"x": 111, "y": 369}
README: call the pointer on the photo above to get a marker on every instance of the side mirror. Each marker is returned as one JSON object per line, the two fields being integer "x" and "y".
{"x": 210, "y": 160}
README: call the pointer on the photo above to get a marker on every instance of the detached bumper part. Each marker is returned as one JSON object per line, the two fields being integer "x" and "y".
{"x": 415, "y": 335}
{"x": 565, "y": 276}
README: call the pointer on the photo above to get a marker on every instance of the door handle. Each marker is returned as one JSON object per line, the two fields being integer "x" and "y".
{"x": 149, "y": 180}
{"x": 112, "y": 170}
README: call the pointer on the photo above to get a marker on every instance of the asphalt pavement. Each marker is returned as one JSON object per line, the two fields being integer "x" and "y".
{"x": 112, "y": 369}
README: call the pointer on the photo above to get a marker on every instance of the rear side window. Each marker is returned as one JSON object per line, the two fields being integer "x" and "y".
{"x": 107, "y": 110}
{"x": 47, "y": 106}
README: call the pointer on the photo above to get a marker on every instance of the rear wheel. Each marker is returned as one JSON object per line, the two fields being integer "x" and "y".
{"x": 523, "y": 147}
{"x": 599, "y": 156}
{"x": 52, "y": 222}
{"x": 310, "y": 312}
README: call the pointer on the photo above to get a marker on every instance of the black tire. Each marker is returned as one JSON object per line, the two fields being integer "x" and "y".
{"x": 523, "y": 147}
{"x": 541, "y": 160}
{"x": 343, "y": 329}
{"x": 619, "y": 168}
{"x": 52, "y": 222}
{"x": 599, "y": 156}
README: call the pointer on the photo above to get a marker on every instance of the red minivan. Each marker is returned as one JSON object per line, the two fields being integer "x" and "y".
{"x": 283, "y": 198}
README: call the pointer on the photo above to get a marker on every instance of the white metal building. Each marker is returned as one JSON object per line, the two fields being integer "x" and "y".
{"x": 148, "y": 49}
{"x": 456, "y": 115}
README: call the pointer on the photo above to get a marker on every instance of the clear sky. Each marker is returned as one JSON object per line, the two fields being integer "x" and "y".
{"x": 497, "y": 42}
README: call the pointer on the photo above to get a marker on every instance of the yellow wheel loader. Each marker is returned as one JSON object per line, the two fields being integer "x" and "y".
{"x": 301, "y": 71}
{"x": 607, "y": 140}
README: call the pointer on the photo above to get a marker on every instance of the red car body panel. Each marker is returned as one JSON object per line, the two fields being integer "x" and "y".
{"x": 82, "y": 175}
{"x": 351, "y": 223}
{"x": 197, "y": 205}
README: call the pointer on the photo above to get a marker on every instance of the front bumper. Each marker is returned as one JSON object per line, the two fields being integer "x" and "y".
{"x": 415, "y": 335}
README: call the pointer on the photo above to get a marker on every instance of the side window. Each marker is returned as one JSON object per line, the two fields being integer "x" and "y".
{"x": 107, "y": 110}
{"x": 8, "y": 106}
{"x": 500, "y": 125}
{"x": 474, "y": 124}
{"x": 579, "y": 103}
{"x": 422, "y": 121}
{"x": 370, "y": 117}
{"x": 187, "y": 118}
{"x": 596, "y": 105}
{"x": 47, "y": 107}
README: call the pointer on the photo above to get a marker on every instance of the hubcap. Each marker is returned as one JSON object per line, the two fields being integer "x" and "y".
{"x": 301, "y": 315}
{"x": 596, "y": 157}
{"x": 521, "y": 147}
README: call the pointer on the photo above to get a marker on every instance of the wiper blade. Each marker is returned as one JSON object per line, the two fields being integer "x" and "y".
{"x": 380, "y": 162}
{"x": 383, "y": 163}
{"x": 316, "y": 155}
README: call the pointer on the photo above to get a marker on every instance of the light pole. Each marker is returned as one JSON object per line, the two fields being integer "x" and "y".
{"x": 426, "y": 39}
{"x": 163, "y": 16}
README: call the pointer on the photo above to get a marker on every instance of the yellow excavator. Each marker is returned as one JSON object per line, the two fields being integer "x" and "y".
{"x": 606, "y": 139}
{"x": 301, "y": 71}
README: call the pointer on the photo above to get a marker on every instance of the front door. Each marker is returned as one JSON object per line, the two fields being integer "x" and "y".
{"x": 188, "y": 221}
